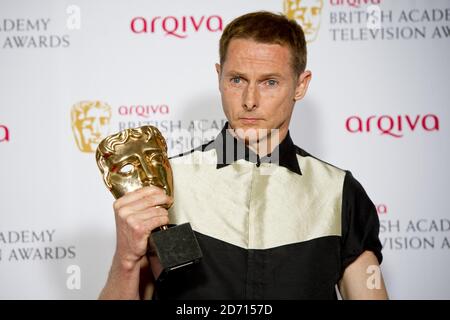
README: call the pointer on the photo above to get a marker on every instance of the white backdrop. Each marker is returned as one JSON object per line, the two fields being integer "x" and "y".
{"x": 378, "y": 105}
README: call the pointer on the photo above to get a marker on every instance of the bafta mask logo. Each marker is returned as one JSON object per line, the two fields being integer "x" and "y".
{"x": 90, "y": 123}
{"x": 134, "y": 158}
{"x": 307, "y": 13}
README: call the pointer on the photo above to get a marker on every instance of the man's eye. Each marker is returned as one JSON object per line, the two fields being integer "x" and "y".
{"x": 236, "y": 80}
{"x": 272, "y": 82}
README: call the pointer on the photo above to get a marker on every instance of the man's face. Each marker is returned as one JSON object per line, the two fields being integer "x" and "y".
{"x": 307, "y": 13}
{"x": 259, "y": 87}
{"x": 136, "y": 164}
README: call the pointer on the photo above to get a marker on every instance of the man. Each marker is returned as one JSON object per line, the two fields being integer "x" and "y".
{"x": 273, "y": 222}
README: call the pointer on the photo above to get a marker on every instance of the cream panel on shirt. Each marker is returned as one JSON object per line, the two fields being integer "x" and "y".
{"x": 257, "y": 207}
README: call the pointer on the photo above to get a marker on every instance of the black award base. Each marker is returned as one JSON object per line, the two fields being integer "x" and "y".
{"x": 172, "y": 248}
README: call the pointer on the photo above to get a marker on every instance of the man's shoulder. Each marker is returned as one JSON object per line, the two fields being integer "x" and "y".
{"x": 351, "y": 187}
{"x": 307, "y": 160}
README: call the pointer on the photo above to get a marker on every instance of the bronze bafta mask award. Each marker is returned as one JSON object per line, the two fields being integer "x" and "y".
{"x": 135, "y": 158}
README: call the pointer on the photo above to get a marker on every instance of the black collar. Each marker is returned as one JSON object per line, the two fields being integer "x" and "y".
{"x": 229, "y": 149}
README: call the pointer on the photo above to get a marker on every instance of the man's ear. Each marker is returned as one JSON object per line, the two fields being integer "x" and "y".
{"x": 218, "y": 69}
{"x": 302, "y": 85}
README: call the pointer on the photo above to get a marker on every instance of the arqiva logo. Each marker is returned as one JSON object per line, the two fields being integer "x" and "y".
{"x": 145, "y": 111}
{"x": 394, "y": 126}
{"x": 179, "y": 27}
{"x": 354, "y": 3}
{"x": 4, "y": 133}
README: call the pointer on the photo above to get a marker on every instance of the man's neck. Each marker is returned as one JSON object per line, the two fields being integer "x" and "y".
{"x": 264, "y": 145}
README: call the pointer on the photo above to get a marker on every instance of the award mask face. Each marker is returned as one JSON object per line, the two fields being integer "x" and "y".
{"x": 134, "y": 158}
{"x": 307, "y": 13}
{"x": 90, "y": 121}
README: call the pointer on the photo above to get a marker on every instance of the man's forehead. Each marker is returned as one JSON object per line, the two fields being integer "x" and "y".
{"x": 251, "y": 49}
{"x": 244, "y": 53}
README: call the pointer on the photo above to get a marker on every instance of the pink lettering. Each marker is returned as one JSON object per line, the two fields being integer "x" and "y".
{"x": 184, "y": 24}
{"x": 353, "y": 3}
{"x": 194, "y": 23}
{"x": 368, "y": 122}
{"x": 412, "y": 125}
{"x": 5, "y": 134}
{"x": 359, "y": 127}
{"x": 143, "y": 25}
{"x": 399, "y": 123}
{"x": 435, "y": 122}
{"x": 177, "y": 27}
{"x": 153, "y": 23}
{"x": 382, "y": 209}
{"x": 140, "y": 111}
{"x": 387, "y": 130}
{"x": 392, "y": 125}
{"x": 154, "y": 108}
{"x": 143, "y": 110}
{"x": 172, "y": 31}
{"x": 164, "y": 109}
{"x": 123, "y": 111}
{"x": 219, "y": 23}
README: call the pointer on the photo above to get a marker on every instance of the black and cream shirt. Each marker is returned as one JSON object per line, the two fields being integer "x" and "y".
{"x": 283, "y": 227}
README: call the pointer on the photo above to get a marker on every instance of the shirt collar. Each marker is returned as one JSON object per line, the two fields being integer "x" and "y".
{"x": 229, "y": 149}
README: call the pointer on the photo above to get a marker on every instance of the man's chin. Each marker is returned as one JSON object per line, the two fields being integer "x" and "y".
{"x": 251, "y": 134}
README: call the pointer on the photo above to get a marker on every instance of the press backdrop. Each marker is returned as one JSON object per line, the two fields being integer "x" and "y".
{"x": 72, "y": 72}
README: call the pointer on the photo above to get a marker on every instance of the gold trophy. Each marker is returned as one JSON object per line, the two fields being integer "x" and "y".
{"x": 135, "y": 158}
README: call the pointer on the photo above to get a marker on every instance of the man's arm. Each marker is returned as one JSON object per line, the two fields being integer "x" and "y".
{"x": 363, "y": 280}
{"x": 123, "y": 281}
{"x": 137, "y": 214}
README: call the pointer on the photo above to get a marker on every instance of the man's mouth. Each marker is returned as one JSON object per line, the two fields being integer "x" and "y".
{"x": 249, "y": 120}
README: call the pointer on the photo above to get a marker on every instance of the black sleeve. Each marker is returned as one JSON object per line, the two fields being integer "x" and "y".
{"x": 360, "y": 224}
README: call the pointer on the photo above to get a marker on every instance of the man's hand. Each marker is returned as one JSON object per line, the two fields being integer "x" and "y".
{"x": 137, "y": 213}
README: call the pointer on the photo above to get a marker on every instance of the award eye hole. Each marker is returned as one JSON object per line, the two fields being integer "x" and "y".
{"x": 126, "y": 169}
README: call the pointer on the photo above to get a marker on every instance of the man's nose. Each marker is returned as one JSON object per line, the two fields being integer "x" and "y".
{"x": 251, "y": 97}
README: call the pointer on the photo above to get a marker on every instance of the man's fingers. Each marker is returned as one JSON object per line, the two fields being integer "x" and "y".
{"x": 144, "y": 227}
{"x": 144, "y": 215}
{"x": 136, "y": 195}
{"x": 142, "y": 205}
{"x": 148, "y": 202}
{"x": 156, "y": 222}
